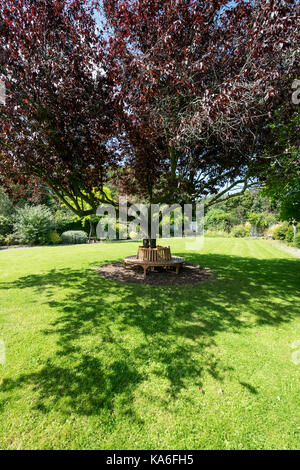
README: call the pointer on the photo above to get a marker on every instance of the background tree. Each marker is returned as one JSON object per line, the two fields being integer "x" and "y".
{"x": 251, "y": 207}
{"x": 281, "y": 172}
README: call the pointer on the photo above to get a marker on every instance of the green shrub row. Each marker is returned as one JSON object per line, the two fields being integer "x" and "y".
{"x": 284, "y": 231}
{"x": 241, "y": 231}
{"x": 281, "y": 231}
{"x": 38, "y": 225}
{"x": 35, "y": 225}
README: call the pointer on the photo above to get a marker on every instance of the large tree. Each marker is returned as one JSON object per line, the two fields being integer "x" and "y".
{"x": 198, "y": 82}
{"x": 172, "y": 105}
{"x": 58, "y": 115}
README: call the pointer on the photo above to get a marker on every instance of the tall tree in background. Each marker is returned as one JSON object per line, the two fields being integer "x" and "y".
{"x": 280, "y": 171}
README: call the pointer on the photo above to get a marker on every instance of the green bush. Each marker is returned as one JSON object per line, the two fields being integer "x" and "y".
{"x": 33, "y": 224}
{"x": 296, "y": 241}
{"x": 216, "y": 233}
{"x": 121, "y": 231}
{"x": 261, "y": 220}
{"x": 6, "y": 225}
{"x": 289, "y": 235}
{"x": 54, "y": 238}
{"x": 74, "y": 236}
{"x": 11, "y": 239}
{"x": 63, "y": 221}
{"x": 217, "y": 219}
{"x": 2, "y": 240}
{"x": 240, "y": 231}
{"x": 133, "y": 235}
{"x": 280, "y": 231}
{"x": 6, "y": 206}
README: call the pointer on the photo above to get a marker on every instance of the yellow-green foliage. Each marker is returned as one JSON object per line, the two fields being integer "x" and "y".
{"x": 240, "y": 231}
{"x": 54, "y": 238}
{"x": 280, "y": 231}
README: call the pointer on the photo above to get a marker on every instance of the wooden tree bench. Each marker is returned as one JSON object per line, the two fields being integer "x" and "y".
{"x": 174, "y": 261}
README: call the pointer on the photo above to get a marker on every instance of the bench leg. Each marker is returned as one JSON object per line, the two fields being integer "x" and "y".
{"x": 145, "y": 271}
{"x": 177, "y": 269}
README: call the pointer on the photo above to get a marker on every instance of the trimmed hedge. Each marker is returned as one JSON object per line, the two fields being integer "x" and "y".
{"x": 74, "y": 236}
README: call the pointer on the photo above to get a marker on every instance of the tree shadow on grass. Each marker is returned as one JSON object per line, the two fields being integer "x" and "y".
{"x": 112, "y": 337}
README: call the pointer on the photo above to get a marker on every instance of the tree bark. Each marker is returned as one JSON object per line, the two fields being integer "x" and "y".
{"x": 149, "y": 242}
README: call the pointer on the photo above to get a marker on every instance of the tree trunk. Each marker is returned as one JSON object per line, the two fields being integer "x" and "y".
{"x": 152, "y": 242}
{"x": 91, "y": 228}
{"x": 146, "y": 242}
{"x": 149, "y": 242}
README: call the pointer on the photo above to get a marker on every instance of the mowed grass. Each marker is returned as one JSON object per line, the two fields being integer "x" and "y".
{"x": 94, "y": 364}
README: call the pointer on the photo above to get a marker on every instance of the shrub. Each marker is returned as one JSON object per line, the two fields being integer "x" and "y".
{"x": 6, "y": 225}
{"x": 11, "y": 239}
{"x": 54, "y": 238}
{"x": 261, "y": 220}
{"x": 2, "y": 240}
{"x": 6, "y": 206}
{"x": 217, "y": 219}
{"x": 33, "y": 224}
{"x": 133, "y": 235}
{"x": 280, "y": 231}
{"x": 289, "y": 235}
{"x": 216, "y": 233}
{"x": 121, "y": 231}
{"x": 63, "y": 221}
{"x": 240, "y": 231}
{"x": 296, "y": 240}
{"x": 74, "y": 236}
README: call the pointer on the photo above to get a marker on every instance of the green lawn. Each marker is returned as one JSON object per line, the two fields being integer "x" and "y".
{"x": 93, "y": 364}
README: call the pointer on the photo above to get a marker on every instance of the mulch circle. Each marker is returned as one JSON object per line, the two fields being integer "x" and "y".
{"x": 188, "y": 275}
